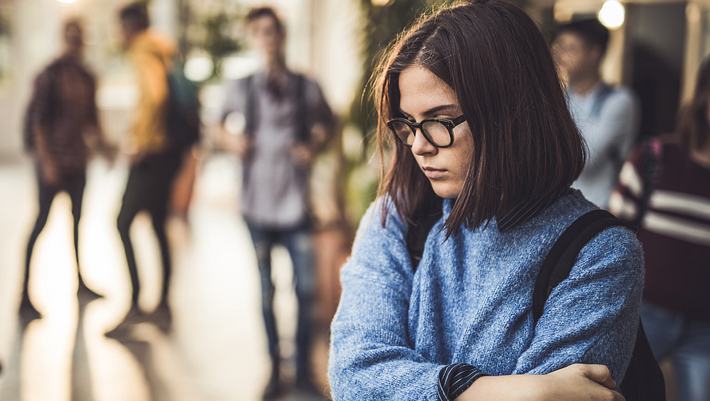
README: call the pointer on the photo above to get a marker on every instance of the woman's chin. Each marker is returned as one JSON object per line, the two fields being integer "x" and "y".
{"x": 445, "y": 189}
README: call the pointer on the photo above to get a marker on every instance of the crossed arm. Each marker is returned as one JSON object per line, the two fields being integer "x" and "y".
{"x": 584, "y": 322}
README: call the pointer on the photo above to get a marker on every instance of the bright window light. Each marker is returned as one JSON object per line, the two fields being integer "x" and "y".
{"x": 198, "y": 67}
{"x": 612, "y": 14}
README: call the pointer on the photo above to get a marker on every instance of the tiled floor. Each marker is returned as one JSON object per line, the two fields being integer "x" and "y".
{"x": 216, "y": 351}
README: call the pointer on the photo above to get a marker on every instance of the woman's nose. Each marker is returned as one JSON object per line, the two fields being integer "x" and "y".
{"x": 421, "y": 146}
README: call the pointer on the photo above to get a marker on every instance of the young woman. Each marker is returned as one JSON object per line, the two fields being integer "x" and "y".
{"x": 664, "y": 187}
{"x": 474, "y": 117}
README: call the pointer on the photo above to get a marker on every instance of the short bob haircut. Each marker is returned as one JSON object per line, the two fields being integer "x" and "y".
{"x": 526, "y": 147}
{"x": 693, "y": 129}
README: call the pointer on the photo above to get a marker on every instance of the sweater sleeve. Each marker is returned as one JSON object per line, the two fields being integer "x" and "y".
{"x": 593, "y": 315}
{"x": 372, "y": 356}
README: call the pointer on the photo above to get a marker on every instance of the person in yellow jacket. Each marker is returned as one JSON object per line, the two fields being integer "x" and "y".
{"x": 154, "y": 162}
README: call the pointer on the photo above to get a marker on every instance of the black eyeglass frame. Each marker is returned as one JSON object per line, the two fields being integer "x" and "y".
{"x": 449, "y": 123}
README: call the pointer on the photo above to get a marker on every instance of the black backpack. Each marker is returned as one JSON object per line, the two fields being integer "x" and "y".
{"x": 643, "y": 380}
{"x": 182, "y": 110}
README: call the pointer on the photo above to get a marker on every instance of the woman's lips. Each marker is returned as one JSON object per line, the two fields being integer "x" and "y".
{"x": 434, "y": 173}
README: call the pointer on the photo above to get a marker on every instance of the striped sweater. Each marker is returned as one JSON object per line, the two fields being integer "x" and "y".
{"x": 675, "y": 227}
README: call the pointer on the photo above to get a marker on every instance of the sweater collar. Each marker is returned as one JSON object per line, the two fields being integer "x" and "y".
{"x": 518, "y": 214}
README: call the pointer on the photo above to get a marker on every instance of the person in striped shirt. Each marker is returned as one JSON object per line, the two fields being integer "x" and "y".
{"x": 664, "y": 189}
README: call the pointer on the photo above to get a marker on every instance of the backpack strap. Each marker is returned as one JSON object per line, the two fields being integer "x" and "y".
{"x": 250, "y": 108}
{"x": 563, "y": 254}
{"x": 303, "y": 132}
{"x": 643, "y": 379}
{"x": 602, "y": 95}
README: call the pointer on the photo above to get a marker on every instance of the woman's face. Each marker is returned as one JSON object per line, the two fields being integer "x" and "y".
{"x": 423, "y": 95}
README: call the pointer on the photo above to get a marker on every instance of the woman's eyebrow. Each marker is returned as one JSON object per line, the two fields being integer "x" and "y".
{"x": 433, "y": 111}
{"x": 439, "y": 109}
{"x": 406, "y": 115}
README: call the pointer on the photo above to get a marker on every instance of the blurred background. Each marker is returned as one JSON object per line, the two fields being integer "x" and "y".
{"x": 217, "y": 349}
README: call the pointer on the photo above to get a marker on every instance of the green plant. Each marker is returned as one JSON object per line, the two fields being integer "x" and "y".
{"x": 219, "y": 40}
{"x": 214, "y": 30}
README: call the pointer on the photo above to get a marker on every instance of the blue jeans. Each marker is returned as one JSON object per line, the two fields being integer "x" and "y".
{"x": 299, "y": 244}
{"x": 687, "y": 345}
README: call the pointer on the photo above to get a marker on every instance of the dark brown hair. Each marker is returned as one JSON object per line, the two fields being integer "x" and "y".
{"x": 526, "y": 145}
{"x": 73, "y": 23}
{"x": 260, "y": 12}
{"x": 135, "y": 16}
{"x": 693, "y": 129}
{"x": 591, "y": 31}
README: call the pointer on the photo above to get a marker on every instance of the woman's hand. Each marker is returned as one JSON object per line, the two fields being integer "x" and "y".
{"x": 578, "y": 382}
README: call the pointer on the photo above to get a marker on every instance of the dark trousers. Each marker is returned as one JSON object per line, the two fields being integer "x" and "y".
{"x": 73, "y": 184}
{"x": 298, "y": 242}
{"x": 148, "y": 189}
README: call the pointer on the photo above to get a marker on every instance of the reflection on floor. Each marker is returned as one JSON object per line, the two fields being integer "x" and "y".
{"x": 216, "y": 350}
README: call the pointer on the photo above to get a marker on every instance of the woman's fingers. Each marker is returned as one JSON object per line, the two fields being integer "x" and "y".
{"x": 618, "y": 396}
{"x": 598, "y": 373}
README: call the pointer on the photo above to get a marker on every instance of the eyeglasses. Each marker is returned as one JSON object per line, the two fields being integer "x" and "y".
{"x": 439, "y": 132}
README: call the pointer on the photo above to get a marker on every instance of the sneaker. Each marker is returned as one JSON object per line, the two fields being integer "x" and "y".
{"x": 28, "y": 312}
{"x": 273, "y": 390}
{"x": 133, "y": 317}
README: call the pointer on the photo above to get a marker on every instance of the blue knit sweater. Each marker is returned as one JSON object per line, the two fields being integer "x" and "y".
{"x": 470, "y": 301}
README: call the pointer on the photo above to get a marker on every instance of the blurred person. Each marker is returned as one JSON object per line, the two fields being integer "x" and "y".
{"x": 154, "y": 162}
{"x": 61, "y": 129}
{"x": 439, "y": 296}
{"x": 664, "y": 189}
{"x": 607, "y": 116}
{"x": 287, "y": 122}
